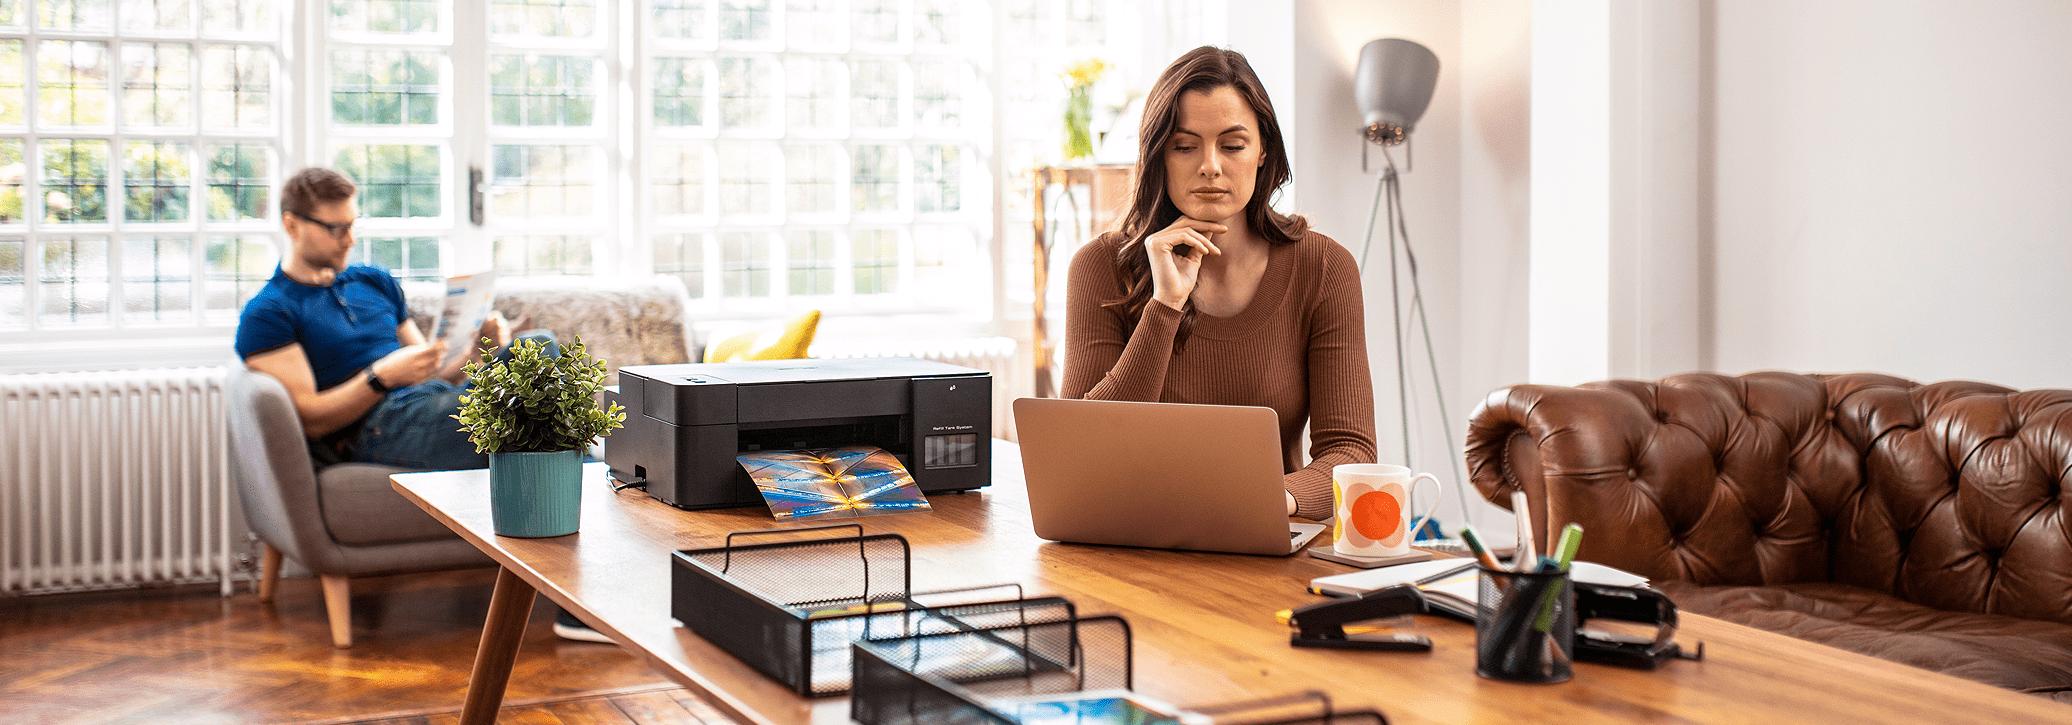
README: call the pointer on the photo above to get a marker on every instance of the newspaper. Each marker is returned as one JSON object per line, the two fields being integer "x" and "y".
{"x": 468, "y": 299}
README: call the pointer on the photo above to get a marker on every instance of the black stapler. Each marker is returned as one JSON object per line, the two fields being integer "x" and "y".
{"x": 1323, "y": 624}
{"x": 1628, "y": 604}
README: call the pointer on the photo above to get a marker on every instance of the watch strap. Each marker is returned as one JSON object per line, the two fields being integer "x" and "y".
{"x": 374, "y": 381}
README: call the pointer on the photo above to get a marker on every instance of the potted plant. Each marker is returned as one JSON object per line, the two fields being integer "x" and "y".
{"x": 535, "y": 414}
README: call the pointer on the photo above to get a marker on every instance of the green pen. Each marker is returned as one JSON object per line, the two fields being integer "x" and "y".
{"x": 1565, "y": 549}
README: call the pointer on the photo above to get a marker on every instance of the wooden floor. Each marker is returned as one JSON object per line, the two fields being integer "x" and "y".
{"x": 188, "y": 655}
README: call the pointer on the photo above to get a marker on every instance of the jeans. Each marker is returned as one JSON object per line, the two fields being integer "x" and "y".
{"x": 414, "y": 427}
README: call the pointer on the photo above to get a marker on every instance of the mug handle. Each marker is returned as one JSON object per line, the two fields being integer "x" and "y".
{"x": 1439, "y": 491}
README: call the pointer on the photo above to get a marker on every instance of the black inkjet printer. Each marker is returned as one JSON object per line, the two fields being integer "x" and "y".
{"x": 685, "y": 423}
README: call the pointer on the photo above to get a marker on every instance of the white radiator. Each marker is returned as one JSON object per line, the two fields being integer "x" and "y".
{"x": 114, "y": 479}
{"x": 1013, "y": 372}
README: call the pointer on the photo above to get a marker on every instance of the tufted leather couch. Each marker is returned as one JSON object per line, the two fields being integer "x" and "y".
{"x": 1925, "y": 524}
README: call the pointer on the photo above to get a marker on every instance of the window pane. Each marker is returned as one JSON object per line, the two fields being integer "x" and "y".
{"x": 156, "y": 84}
{"x": 14, "y": 291}
{"x": 874, "y": 92}
{"x": 12, "y": 13}
{"x": 744, "y": 19}
{"x": 543, "y": 18}
{"x": 75, "y": 180}
{"x": 745, "y": 92}
{"x": 1086, "y": 22}
{"x": 385, "y": 16}
{"x": 541, "y": 180}
{"x": 395, "y": 180}
{"x": 72, "y": 83}
{"x": 412, "y": 259}
{"x": 240, "y": 177}
{"x": 384, "y": 87}
{"x": 157, "y": 15}
{"x": 815, "y": 93}
{"x": 682, "y": 19}
{"x": 154, "y": 180}
{"x": 744, "y": 264}
{"x": 679, "y": 92}
{"x": 13, "y": 177}
{"x": 937, "y": 180}
{"x": 237, "y": 86}
{"x": 72, "y": 282}
{"x": 940, "y": 252}
{"x": 542, "y": 255}
{"x": 938, "y": 93}
{"x": 874, "y": 260}
{"x": 542, "y": 90}
{"x": 1029, "y": 20}
{"x": 679, "y": 179}
{"x": 816, "y": 25}
{"x": 237, "y": 267}
{"x": 812, "y": 174}
{"x": 810, "y": 258}
{"x": 678, "y": 255}
{"x": 237, "y": 16}
{"x": 874, "y": 21}
{"x": 936, "y": 22}
{"x": 746, "y": 172}
{"x": 72, "y": 14}
{"x": 13, "y": 93}
{"x": 157, "y": 280}
{"x": 874, "y": 178}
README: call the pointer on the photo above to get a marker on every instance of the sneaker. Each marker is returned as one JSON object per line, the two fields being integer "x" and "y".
{"x": 566, "y": 626}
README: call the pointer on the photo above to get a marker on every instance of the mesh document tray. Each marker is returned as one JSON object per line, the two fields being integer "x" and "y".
{"x": 965, "y": 678}
{"x": 790, "y": 609}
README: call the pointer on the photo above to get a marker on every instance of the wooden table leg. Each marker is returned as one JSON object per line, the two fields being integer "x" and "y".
{"x": 502, "y": 632}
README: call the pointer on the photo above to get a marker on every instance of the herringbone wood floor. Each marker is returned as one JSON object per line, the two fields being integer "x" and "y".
{"x": 188, "y": 655}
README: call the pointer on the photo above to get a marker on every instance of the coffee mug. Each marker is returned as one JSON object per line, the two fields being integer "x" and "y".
{"x": 1372, "y": 501}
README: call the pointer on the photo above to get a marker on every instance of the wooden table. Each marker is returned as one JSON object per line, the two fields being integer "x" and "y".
{"x": 1203, "y": 623}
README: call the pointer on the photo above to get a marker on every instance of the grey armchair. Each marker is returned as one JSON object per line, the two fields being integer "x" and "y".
{"x": 345, "y": 522}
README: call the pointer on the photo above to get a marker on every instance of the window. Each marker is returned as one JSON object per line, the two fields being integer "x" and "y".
{"x": 138, "y": 153}
{"x": 768, "y": 153}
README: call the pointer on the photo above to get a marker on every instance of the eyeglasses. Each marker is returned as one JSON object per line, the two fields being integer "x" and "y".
{"x": 336, "y": 230}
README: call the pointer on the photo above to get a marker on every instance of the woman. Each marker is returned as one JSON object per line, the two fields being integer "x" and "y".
{"x": 1207, "y": 295}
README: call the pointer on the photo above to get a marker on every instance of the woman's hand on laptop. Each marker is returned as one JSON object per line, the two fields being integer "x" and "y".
{"x": 1291, "y": 502}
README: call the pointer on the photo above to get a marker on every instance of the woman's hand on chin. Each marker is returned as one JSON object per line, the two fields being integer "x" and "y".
{"x": 1175, "y": 253}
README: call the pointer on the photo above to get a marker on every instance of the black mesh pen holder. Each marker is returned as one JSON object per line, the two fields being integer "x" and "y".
{"x": 949, "y": 677}
{"x": 790, "y": 609}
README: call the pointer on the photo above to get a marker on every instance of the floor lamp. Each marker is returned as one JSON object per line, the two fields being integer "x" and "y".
{"x": 1393, "y": 86}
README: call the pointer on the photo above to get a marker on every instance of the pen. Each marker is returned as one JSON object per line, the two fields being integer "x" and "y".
{"x": 1526, "y": 555}
{"x": 1474, "y": 542}
{"x": 1565, "y": 550}
{"x": 1444, "y": 574}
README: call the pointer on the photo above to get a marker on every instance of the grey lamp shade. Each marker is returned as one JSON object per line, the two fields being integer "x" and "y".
{"x": 1393, "y": 85}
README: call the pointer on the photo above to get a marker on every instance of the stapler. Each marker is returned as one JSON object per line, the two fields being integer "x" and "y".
{"x": 1628, "y": 604}
{"x": 1323, "y": 624}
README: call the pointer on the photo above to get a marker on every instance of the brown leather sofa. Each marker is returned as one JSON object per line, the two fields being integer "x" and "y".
{"x": 1925, "y": 524}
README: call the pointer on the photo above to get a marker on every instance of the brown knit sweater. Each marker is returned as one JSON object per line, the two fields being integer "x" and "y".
{"x": 1299, "y": 348}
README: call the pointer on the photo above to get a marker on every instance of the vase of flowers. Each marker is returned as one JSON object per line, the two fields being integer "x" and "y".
{"x": 1079, "y": 107}
{"x": 535, "y": 414}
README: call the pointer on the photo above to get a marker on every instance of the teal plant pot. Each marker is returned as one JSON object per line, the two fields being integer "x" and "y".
{"x": 536, "y": 495}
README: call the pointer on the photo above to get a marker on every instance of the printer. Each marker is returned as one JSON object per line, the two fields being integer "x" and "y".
{"x": 685, "y": 423}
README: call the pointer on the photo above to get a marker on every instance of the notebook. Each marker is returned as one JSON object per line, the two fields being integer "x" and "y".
{"x": 1454, "y": 589}
{"x": 1161, "y": 475}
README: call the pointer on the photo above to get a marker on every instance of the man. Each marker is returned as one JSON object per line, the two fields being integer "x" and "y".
{"x": 366, "y": 384}
{"x": 339, "y": 337}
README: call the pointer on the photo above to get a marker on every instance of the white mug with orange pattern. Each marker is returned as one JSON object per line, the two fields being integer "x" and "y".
{"x": 1372, "y": 503}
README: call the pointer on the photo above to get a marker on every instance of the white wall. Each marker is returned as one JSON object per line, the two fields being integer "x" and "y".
{"x": 1893, "y": 188}
{"x": 1464, "y": 197}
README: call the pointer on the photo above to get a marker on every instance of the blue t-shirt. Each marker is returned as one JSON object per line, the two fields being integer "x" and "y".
{"x": 343, "y": 328}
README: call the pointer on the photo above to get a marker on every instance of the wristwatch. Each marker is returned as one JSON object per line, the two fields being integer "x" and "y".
{"x": 374, "y": 381}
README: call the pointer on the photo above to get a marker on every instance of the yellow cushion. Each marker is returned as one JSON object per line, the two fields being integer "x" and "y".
{"x": 786, "y": 342}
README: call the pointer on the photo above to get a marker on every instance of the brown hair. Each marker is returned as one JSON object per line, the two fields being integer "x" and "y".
{"x": 1203, "y": 69}
{"x": 312, "y": 186}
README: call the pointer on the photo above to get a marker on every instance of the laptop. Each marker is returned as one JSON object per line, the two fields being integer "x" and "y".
{"x": 1161, "y": 475}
